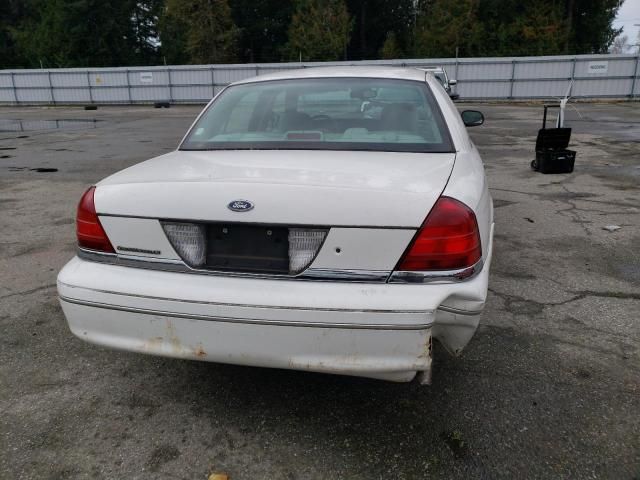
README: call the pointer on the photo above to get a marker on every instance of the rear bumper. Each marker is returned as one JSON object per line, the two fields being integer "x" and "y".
{"x": 373, "y": 330}
{"x": 386, "y": 354}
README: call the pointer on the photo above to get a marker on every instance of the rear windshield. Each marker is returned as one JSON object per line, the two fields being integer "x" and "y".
{"x": 323, "y": 114}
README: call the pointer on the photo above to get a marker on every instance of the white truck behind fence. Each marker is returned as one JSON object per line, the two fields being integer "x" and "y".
{"x": 512, "y": 78}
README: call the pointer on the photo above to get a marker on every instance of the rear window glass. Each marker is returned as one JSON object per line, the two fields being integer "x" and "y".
{"x": 323, "y": 114}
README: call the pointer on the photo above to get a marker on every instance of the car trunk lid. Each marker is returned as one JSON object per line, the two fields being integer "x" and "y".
{"x": 285, "y": 187}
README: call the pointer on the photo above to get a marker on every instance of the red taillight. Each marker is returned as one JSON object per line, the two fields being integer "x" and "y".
{"x": 88, "y": 229}
{"x": 448, "y": 239}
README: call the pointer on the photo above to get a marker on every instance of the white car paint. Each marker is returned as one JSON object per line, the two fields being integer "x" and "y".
{"x": 374, "y": 207}
{"x": 139, "y": 235}
{"x": 354, "y": 188}
{"x": 363, "y": 248}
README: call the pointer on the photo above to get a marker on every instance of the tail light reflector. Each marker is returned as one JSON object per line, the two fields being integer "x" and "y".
{"x": 89, "y": 232}
{"x": 304, "y": 245}
{"x": 448, "y": 239}
{"x": 189, "y": 241}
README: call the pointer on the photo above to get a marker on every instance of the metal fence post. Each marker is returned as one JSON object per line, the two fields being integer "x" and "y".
{"x": 15, "y": 90}
{"x": 213, "y": 84}
{"x": 635, "y": 77}
{"x": 573, "y": 74}
{"x": 169, "y": 85}
{"x": 257, "y": 70}
{"x": 513, "y": 74}
{"x": 89, "y": 85}
{"x": 53, "y": 99}
{"x": 456, "y": 77}
{"x": 129, "y": 87}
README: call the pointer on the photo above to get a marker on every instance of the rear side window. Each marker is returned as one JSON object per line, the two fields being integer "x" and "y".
{"x": 323, "y": 114}
{"x": 441, "y": 78}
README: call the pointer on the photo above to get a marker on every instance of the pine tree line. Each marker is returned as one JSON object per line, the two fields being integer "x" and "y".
{"x": 94, "y": 33}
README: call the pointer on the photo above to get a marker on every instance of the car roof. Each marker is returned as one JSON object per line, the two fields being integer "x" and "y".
{"x": 401, "y": 73}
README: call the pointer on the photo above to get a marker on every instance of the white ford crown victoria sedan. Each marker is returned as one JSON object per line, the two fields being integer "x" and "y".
{"x": 332, "y": 220}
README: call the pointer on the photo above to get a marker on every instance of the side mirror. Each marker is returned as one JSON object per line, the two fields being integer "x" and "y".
{"x": 453, "y": 82}
{"x": 472, "y": 118}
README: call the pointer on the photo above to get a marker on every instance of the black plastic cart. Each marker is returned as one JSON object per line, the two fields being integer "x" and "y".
{"x": 552, "y": 155}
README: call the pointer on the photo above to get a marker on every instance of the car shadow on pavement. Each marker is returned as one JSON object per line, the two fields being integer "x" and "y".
{"x": 359, "y": 428}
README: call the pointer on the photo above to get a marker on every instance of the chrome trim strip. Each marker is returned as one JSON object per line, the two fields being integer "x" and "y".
{"x": 315, "y": 274}
{"x": 379, "y": 276}
{"x": 459, "y": 311}
{"x": 273, "y": 307}
{"x": 252, "y": 321}
{"x": 173, "y": 265}
{"x": 104, "y": 257}
{"x": 435, "y": 276}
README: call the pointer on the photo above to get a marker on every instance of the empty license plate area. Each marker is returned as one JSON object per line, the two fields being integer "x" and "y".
{"x": 247, "y": 248}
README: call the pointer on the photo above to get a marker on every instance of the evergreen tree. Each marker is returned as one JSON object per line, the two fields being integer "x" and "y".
{"x": 445, "y": 26}
{"x": 172, "y": 32}
{"x": 390, "y": 49}
{"x": 198, "y": 31}
{"x": 87, "y": 33}
{"x": 12, "y": 12}
{"x": 144, "y": 21}
{"x": 374, "y": 20}
{"x": 91, "y": 33}
{"x": 319, "y": 30}
{"x": 512, "y": 27}
{"x": 262, "y": 28}
{"x": 589, "y": 25}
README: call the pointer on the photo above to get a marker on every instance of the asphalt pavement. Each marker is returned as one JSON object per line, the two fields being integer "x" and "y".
{"x": 548, "y": 388}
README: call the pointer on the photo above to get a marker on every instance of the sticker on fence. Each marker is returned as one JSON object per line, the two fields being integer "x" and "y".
{"x": 595, "y": 68}
{"x": 146, "y": 77}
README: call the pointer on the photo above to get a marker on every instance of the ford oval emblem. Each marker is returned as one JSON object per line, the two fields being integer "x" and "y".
{"x": 240, "y": 206}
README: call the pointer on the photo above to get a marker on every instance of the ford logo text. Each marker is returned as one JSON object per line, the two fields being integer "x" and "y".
{"x": 240, "y": 206}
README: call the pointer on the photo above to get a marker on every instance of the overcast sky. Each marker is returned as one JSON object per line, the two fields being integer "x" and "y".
{"x": 629, "y": 14}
